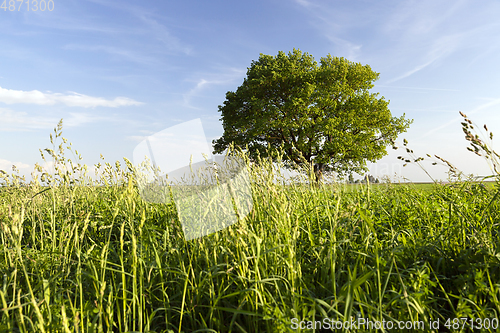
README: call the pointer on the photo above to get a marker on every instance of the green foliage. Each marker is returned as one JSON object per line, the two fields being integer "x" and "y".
{"x": 322, "y": 114}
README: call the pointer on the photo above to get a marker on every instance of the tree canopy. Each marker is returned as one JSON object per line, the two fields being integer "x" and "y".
{"x": 322, "y": 114}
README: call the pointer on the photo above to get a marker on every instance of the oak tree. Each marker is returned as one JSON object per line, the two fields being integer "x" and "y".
{"x": 322, "y": 114}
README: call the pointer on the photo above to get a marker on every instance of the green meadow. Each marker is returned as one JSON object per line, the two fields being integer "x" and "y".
{"x": 85, "y": 255}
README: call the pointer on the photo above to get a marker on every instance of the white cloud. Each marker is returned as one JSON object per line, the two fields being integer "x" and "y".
{"x": 22, "y": 121}
{"x": 6, "y": 166}
{"x": 10, "y": 96}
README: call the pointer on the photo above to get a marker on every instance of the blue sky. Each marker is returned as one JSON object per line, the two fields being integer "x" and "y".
{"x": 117, "y": 71}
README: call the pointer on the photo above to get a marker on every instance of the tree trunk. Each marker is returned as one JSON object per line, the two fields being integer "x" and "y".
{"x": 318, "y": 172}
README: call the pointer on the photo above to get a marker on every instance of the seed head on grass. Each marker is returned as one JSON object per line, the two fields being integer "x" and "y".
{"x": 480, "y": 147}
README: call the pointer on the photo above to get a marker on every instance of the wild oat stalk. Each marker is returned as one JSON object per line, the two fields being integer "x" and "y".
{"x": 479, "y": 146}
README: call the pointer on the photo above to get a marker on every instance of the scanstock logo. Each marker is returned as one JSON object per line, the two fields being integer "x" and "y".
{"x": 209, "y": 192}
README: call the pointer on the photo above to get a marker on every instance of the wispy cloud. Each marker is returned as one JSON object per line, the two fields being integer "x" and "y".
{"x": 415, "y": 88}
{"x": 21, "y": 121}
{"x": 414, "y": 35}
{"x": 10, "y": 96}
{"x": 79, "y": 18}
{"x": 71, "y": 20}
{"x": 335, "y": 22}
{"x": 115, "y": 51}
{"x": 163, "y": 34}
{"x": 493, "y": 102}
{"x": 79, "y": 119}
{"x": 18, "y": 121}
{"x": 304, "y": 3}
{"x": 411, "y": 71}
{"x": 424, "y": 33}
{"x": 347, "y": 48}
{"x": 443, "y": 47}
{"x": 154, "y": 28}
{"x": 196, "y": 90}
{"x": 417, "y": 18}
{"x": 227, "y": 76}
{"x": 439, "y": 50}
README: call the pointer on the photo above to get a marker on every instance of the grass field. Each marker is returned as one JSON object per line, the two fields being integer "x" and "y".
{"x": 94, "y": 258}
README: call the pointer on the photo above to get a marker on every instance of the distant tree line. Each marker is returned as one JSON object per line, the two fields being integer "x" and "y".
{"x": 364, "y": 180}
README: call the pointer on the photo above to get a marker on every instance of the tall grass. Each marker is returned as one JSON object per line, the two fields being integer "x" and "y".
{"x": 77, "y": 256}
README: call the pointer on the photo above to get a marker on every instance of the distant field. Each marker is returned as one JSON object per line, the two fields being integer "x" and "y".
{"x": 421, "y": 186}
